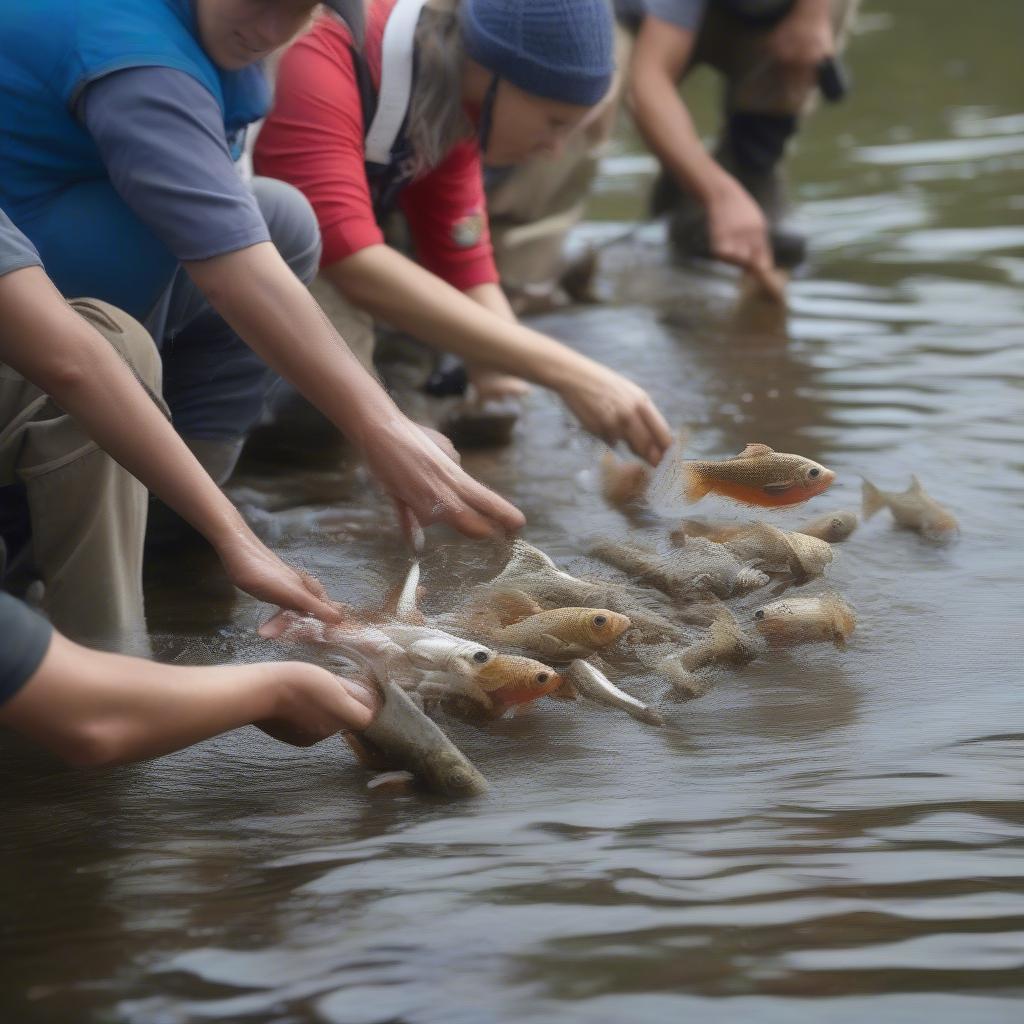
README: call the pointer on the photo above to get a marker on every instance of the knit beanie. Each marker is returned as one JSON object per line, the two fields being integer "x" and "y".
{"x": 558, "y": 49}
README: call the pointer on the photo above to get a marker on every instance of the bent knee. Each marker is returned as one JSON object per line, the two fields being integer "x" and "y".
{"x": 127, "y": 336}
{"x": 292, "y": 224}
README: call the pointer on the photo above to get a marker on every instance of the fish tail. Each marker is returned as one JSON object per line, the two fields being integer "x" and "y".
{"x": 696, "y": 487}
{"x": 873, "y": 499}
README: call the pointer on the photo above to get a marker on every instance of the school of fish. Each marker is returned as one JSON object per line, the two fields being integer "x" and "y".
{"x": 683, "y": 606}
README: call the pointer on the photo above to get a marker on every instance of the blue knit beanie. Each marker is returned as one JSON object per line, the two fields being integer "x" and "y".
{"x": 558, "y": 49}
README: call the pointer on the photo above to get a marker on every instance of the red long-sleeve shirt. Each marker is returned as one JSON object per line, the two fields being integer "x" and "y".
{"x": 314, "y": 138}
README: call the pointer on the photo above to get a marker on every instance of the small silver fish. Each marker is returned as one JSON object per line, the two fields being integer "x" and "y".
{"x": 591, "y": 682}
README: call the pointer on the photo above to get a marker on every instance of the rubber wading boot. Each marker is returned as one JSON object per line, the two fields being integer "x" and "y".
{"x": 751, "y": 151}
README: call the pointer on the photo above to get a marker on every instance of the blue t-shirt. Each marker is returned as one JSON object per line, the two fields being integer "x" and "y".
{"x": 24, "y": 641}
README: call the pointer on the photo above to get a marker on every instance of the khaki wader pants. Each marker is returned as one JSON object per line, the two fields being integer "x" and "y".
{"x": 533, "y": 209}
{"x": 87, "y": 514}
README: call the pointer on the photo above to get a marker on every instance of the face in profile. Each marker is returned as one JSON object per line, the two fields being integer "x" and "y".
{"x": 236, "y": 33}
{"x": 523, "y": 126}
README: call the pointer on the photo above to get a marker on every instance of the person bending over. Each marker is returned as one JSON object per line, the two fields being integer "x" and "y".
{"x": 404, "y": 124}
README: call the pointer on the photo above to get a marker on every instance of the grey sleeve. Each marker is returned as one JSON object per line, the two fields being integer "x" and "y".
{"x": 16, "y": 251}
{"x": 685, "y": 14}
{"x": 24, "y": 641}
{"x": 161, "y": 136}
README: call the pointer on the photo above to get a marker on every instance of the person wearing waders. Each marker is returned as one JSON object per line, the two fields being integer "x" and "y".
{"x": 121, "y": 126}
{"x": 772, "y": 55}
{"x": 404, "y": 124}
{"x": 775, "y": 58}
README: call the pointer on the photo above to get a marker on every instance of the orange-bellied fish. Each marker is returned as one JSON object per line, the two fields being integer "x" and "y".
{"x": 510, "y": 680}
{"x": 757, "y": 476}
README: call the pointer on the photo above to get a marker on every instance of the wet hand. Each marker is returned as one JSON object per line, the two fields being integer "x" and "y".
{"x": 312, "y": 704}
{"x": 738, "y": 234}
{"x": 421, "y": 478}
{"x": 254, "y": 568}
{"x": 616, "y": 409}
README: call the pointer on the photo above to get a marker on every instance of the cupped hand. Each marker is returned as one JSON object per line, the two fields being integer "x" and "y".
{"x": 416, "y": 474}
{"x": 616, "y": 409}
{"x": 738, "y": 234}
{"x": 254, "y": 568}
{"x": 312, "y": 704}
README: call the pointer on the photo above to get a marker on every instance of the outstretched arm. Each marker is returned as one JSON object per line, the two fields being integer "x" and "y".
{"x": 481, "y": 329}
{"x": 95, "y": 709}
{"x": 738, "y": 230}
{"x": 50, "y": 345}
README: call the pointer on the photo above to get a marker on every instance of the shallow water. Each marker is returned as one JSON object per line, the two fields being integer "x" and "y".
{"x": 825, "y": 836}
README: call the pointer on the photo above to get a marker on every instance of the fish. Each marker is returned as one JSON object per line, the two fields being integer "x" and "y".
{"x": 833, "y": 527}
{"x": 512, "y": 680}
{"x": 434, "y": 648}
{"x": 806, "y": 620}
{"x": 913, "y": 508}
{"x": 624, "y": 483}
{"x": 564, "y": 633}
{"x": 724, "y": 643}
{"x": 409, "y": 740}
{"x": 591, "y": 682}
{"x": 687, "y": 574}
{"x": 757, "y": 476}
{"x": 802, "y": 557}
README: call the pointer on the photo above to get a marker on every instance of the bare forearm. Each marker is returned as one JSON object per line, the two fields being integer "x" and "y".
{"x": 97, "y": 709}
{"x": 259, "y": 296}
{"x": 394, "y": 288}
{"x": 48, "y": 343}
{"x": 665, "y": 123}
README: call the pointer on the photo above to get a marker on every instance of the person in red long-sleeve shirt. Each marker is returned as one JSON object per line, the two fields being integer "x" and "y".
{"x": 404, "y": 123}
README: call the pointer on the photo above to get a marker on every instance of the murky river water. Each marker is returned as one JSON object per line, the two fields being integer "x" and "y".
{"x": 825, "y": 836}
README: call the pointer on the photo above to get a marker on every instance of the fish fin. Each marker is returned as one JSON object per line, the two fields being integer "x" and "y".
{"x": 755, "y": 451}
{"x": 915, "y": 485}
{"x": 780, "y": 488}
{"x": 872, "y": 498}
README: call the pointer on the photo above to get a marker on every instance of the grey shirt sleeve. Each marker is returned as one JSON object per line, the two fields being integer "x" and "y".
{"x": 16, "y": 251}
{"x": 161, "y": 136}
{"x": 24, "y": 641}
{"x": 685, "y": 14}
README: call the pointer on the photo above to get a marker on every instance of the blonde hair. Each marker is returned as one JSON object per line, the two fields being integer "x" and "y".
{"x": 437, "y": 120}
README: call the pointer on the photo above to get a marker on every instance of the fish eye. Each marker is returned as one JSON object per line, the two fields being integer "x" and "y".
{"x": 542, "y": 677}
{"x": 759, "y": 614}
{"x": 480, "y": 657}
{"x": 814, "y": 472}
{"x": 600, "y": 620}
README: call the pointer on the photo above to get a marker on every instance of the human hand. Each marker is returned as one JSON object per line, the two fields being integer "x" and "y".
{"x": 799, "y": 44}
{"x": 738, "y": 234}
{"x": 428, "y": 485}
{"x": 616, "y": 409}
{"x": 254, "y": 568}
{"x": 312, "y": 704}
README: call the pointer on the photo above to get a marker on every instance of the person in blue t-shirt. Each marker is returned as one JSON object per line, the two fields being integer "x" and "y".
{"x": 122, "y": 123}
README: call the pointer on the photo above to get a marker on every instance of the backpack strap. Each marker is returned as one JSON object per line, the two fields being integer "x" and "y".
{"x": 397, "y": 62}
